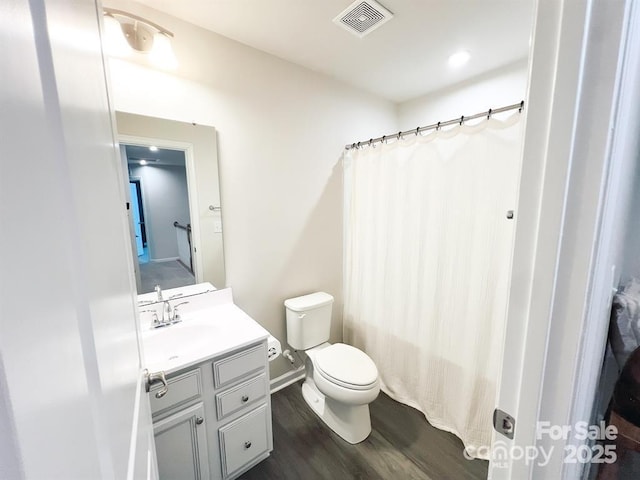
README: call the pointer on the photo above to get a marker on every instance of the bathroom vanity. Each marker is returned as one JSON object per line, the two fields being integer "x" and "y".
{"x": 214, "y": 421}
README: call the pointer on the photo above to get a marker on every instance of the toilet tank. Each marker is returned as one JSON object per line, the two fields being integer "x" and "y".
{"x": 308, "y": 320}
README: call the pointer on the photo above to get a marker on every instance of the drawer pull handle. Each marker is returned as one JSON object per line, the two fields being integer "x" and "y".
{"x": 199, "y": 420}
{"x": 247, "y": 444}
{"x": 245, "y": 398}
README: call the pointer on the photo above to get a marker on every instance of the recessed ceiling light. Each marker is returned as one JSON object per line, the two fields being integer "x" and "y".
{"x": 143, "y": 162}
{"x": 459, "y": 58}
{"x": 153, "y": 148}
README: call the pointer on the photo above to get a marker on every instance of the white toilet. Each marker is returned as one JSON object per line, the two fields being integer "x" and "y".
{"x": 340, "y": 380}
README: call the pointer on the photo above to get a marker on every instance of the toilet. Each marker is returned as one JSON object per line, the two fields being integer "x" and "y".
{"x": 340, "y": 380}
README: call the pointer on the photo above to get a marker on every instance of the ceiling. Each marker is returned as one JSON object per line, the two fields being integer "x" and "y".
{"x": 403, "y": 59}
{"x": 162, "y": 156}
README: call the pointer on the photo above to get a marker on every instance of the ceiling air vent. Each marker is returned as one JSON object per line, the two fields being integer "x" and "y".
{"x": 362, "y": 18}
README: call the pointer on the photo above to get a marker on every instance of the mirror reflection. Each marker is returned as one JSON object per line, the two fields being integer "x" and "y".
{"x": 160, "y": 215}
{"x": 175, "y": 217}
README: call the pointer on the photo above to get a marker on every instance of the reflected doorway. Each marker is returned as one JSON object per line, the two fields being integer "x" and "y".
{"x": 137, "y": 212}
{"x": 160, "y": 216}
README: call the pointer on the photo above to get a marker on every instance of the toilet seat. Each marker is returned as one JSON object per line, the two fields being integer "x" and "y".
{"x": 347, "y": 366}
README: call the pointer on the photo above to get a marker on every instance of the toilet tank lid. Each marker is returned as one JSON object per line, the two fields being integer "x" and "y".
{"x": 308, "y": 302}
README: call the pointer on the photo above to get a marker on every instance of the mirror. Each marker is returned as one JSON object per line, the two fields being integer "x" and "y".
{"x": 173, "y": 199}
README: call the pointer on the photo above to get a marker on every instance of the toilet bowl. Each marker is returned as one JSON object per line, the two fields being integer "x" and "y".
{"x": 340, "y": 400}
{"x": 340, "y": 380}
{"x": 346, "y": 374}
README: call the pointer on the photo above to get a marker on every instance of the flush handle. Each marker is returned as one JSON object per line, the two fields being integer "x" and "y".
{"x": 302, "y": 315}
{"x": 245, "y": 398}
{"x": 247, "y": 445}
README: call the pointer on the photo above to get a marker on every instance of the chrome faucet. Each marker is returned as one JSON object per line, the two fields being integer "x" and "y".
{"x": 167, "y": 313}
{"x": 170, "y": 314}
{"x": 158, "y": 291}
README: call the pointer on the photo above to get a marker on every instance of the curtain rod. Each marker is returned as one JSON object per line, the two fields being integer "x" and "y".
{"x": 437, "y": 126}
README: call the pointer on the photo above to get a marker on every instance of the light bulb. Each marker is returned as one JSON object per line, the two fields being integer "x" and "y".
{"x": 161, "y": 53}
{"x": 115, "y": 44}
{"x": 459, "y": 58}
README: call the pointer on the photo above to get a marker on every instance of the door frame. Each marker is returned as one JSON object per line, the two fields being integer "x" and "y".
{"x": 187, "y": 148}
{"x": 70, "y": 361}
{"x": 556, "y": 297}
{"x": 137, "y": 181}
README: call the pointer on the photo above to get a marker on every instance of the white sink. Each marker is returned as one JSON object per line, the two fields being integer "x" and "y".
{"x": 174, "y": 342}
{"x": 211, "y": 325}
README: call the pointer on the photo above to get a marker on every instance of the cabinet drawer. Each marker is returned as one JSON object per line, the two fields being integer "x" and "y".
{"x": 240, "y": 396}
{"x": 244, "y": 440}
{"x": 239, "y": 365}
{"x": 182, "y": 389}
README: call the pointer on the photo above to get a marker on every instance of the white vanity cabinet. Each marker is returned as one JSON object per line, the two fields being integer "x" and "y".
{"x": 181, "y": 445}
{"x": 215, "y": 420}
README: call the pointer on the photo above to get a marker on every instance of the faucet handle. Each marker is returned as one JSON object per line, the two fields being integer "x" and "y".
{"x": 176, "y": 314}
{"x": 154, "y": 318}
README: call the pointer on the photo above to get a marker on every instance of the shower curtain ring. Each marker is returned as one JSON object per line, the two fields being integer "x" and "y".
{"x": 358, "y": 145}
{"x": 399, "y": 135}
{"x": 461, "y": 119}
{"x": 438, "y": 127}
{"x": 384, "y": 139}
{"x": 417, "y": 131}
{"x": 370, "y": 141}
{"x": 521, "y": 106}
{"x": 489, "y": 114}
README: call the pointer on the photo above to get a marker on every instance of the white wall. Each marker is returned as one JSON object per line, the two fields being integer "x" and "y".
{"x": 281, "y": 131}
{"x": 495, "y": 89}
{"x": 69, "y": 359}
{"x": 166, "y": 200}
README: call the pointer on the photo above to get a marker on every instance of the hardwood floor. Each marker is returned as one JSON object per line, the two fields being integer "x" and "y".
{"x": 166, "y": 274}
{"x": 402, "y": 445}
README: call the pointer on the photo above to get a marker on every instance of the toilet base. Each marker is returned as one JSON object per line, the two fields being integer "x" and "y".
{"x": 351, "y": 422}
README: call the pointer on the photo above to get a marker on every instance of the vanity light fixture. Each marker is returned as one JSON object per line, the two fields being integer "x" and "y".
{"x": 459, "y": 58}
{"x": 126, "y": 33}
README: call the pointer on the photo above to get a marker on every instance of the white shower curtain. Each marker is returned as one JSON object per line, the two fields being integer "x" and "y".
{"x": 427, "y": 257}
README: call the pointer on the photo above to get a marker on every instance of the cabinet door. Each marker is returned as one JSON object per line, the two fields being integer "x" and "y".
{"x": 244, "y": 440}
{"x": 181, "y": 445}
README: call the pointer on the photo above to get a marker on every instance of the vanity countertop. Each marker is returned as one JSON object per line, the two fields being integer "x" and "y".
{"x": 212, "y": 325}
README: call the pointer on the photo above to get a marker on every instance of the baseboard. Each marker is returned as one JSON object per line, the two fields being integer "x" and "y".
{"x": 286, "y": 379}
{"x": 160, "y": 260}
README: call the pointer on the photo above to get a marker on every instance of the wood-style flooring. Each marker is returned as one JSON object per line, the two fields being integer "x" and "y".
{"x": 402, "y": 445}
{"x": 166, "y": 274}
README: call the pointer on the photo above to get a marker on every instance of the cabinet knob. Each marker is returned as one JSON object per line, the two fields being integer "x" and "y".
{"x": 245, "y": 398}
{"x": 199, "y": 420}
{"x": 247, "y": 444}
